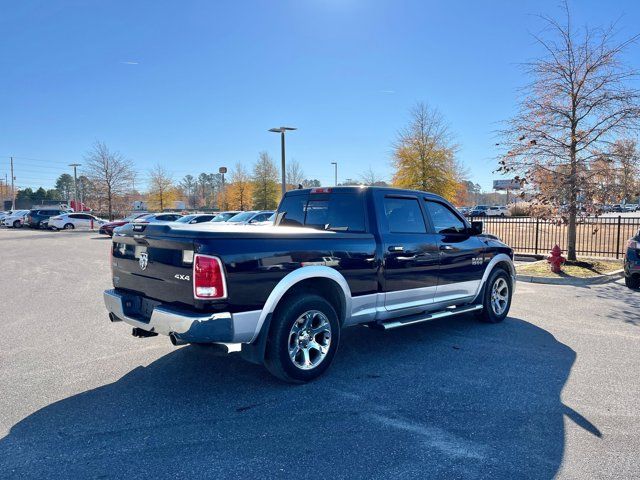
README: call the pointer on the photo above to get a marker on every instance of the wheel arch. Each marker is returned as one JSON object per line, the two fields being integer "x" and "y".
{"x": 502, "y": 261}
{"x": 321, "y": 280}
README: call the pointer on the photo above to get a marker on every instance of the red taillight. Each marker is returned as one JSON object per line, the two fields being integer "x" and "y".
{"x": 208, "y": 278}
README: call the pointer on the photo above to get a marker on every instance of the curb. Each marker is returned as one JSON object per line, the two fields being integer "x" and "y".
{"x": 577, "y": 282}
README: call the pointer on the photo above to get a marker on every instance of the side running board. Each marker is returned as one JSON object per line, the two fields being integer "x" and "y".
{"x": 425, "y": 317}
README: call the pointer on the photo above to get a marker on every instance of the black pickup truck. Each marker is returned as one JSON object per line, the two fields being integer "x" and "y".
{"x": 335, "y": 257}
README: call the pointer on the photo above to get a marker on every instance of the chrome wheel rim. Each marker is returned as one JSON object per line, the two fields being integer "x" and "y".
{"x": 499, "y": 296}
{"x": 309, "y": 339}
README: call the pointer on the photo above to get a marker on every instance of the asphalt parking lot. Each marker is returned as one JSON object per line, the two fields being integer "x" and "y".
{"x": 552, "y": 391}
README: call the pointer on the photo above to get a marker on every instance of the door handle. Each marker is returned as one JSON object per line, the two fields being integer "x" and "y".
{"x": 446, "y": 247}
{"x": 396, "y": 248}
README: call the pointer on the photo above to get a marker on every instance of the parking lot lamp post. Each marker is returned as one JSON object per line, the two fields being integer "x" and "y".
{"x": 222, "y": 171}
{"x": 335, "y": 173}
{"x": 75, "y": 184}
{"x": 281, "y": 131}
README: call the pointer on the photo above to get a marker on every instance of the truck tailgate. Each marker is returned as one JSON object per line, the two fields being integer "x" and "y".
{"x": 156, "y": 267}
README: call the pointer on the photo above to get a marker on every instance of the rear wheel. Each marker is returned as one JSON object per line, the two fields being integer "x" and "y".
{"x": 304, "y": 337}
{"x": 68, "y": 226}
{"x": 497, "y": 297}
{"x": 632, "y": 281}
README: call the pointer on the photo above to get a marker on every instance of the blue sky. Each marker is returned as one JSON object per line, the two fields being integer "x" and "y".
{"x": 194, "y": 85}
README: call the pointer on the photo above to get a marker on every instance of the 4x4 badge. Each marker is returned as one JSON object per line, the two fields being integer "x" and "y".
{"x": 144, "y": 260}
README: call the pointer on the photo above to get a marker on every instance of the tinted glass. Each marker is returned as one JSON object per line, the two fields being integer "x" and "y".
{"x": 336, "y": 211}
{"x": 262, "y": 217}
{"x": 186, "y": 219}
{"x": 242, "y": 217}
{"x": 202, "y": 219}
{"x": 443, "y": 218}
{"x": 328, "y": 211}
{"x": 404, "y": 215}
{"x": 293, "y": 207}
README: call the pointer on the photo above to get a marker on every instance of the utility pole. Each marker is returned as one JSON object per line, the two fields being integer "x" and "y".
{"x": 335, "y": 173}
{"x": 13, "y": 191}
{"x": 75, "y": 184}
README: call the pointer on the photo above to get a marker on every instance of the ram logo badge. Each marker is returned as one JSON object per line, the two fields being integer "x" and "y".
{"x": 144, "y": 261}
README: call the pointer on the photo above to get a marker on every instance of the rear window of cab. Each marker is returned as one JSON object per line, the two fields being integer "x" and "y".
{"x": 339, "y": 211}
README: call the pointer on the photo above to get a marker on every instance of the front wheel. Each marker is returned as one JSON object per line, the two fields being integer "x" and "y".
{"x": 497, "y": 297}
{"x": 17, "y": 224}
{"x": 304, "y": 338}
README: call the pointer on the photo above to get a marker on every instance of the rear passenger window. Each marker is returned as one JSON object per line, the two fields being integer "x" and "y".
{"x": 404, "y": 215}
{"x": 443, "y": 218}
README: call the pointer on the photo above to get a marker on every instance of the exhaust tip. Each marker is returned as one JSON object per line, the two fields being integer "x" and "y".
{"x": 175, "y": 341}
{"x": 114, "y": 318}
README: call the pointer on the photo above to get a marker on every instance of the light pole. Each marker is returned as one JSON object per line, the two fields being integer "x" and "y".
{"x": 222, "y": 171}
{"x": 335, "y": 173}
{"x": 75, "y": 184}
{"x": 281, "y": 131}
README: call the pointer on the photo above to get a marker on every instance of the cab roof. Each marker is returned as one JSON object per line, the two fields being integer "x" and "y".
{"x": 362, "y": 189}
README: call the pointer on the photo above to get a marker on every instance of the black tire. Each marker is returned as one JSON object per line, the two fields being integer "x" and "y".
{"x": 277, "y": 357}
{"x": 488, "y": 313}
{"x": 69, "y": 226}
{"x": 17, "y": 224}
{"x": 632, "y": 281}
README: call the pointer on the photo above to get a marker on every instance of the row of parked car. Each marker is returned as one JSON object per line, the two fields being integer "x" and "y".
{"x": 55, "y": 218}
{"x": 234, "y": 217}
{"x": 485, "y": 211}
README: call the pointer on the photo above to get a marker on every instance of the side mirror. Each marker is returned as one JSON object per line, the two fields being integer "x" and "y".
{"x": 477, "y": 227}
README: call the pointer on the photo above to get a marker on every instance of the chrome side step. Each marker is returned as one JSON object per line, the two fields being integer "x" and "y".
{"x": 426, "y": 317}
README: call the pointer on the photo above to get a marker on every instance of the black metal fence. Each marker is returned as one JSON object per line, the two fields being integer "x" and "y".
{"x": 595, "y": 236}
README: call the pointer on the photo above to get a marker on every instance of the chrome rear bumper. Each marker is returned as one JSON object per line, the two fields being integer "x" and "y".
{"x": 184, "y": 325}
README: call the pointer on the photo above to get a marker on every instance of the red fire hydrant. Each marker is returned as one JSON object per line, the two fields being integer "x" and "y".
{"x": 556, "y": 259}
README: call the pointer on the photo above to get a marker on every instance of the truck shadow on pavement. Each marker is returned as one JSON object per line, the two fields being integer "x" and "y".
{"x": 449, "y": 399}
{"x": 629, "y": 313}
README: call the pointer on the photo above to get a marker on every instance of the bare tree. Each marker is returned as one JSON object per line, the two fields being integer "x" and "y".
{"x": 161, "y": 188}
{"x": 578, "y": 101}
{"x": 295, "y": 175}
{"x": 109, "y": 173}
{"x": 370, "y": 177}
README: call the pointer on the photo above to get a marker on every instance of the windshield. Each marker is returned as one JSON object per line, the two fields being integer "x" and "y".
{"x": 223, "y": 217}
{"x": 242, "y": 217}
{"x": 186, "y": 219}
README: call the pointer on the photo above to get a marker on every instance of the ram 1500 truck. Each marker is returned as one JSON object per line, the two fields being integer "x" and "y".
{"x": 335, "y": 257}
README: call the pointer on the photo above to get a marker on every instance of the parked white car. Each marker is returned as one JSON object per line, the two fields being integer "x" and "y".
{"x": 70, "y": 221}
{"x": 14, "y": 219}
{"x": 498, "y": 211}
{"x": 489, "y": 211}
